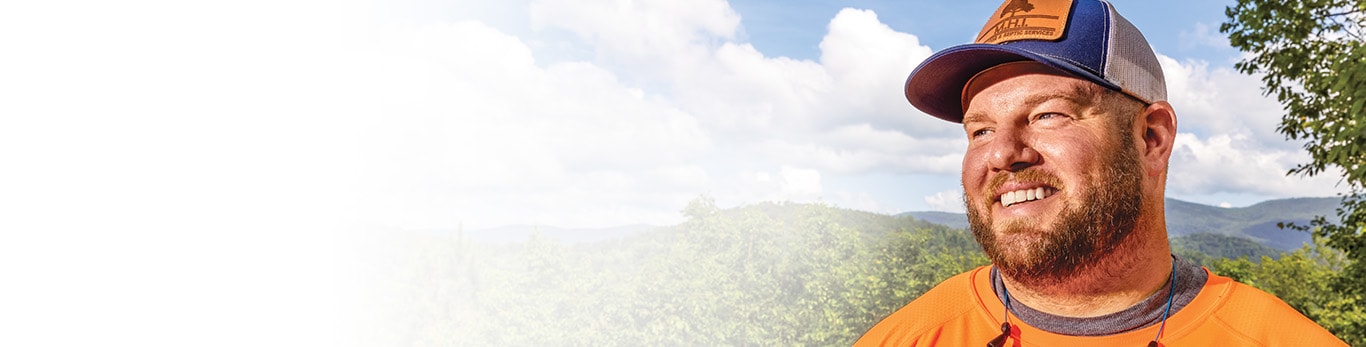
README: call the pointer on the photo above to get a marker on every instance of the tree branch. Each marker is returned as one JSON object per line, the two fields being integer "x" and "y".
{"x": 1339, "y": 14}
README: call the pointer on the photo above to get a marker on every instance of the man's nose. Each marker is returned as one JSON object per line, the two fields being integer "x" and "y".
{"x": 1011, "y": 152}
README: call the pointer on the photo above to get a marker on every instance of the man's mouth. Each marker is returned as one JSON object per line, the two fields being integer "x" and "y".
{"x": 1025, "y": 195}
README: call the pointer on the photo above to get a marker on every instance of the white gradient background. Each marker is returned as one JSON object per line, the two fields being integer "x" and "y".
{"x": 184, "y": 173}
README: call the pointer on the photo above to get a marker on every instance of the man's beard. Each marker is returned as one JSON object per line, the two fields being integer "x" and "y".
{"x": 1085, "y": 232}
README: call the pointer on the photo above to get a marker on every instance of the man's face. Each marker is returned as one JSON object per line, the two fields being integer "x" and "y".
{"x": 1052, "y": 183}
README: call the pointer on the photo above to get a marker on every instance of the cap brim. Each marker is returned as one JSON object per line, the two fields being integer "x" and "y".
{"x": 936, "y": 86}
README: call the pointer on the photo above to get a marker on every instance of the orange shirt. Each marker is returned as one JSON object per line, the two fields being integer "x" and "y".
{"x": 964, "y": 311}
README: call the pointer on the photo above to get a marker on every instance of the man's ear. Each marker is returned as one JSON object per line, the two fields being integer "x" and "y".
{"x": 1158, "y": 124}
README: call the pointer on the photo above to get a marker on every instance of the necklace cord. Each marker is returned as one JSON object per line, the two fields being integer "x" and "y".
{"x": 1171, "y": 293}
{"x": 1005, "y": 325}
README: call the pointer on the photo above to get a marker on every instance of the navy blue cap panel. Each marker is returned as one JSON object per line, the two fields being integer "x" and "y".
{"x": 1078, "y": 45}
{"x": 936, "y": 86}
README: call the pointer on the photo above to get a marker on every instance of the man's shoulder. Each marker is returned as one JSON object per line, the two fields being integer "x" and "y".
{"x": 945, "y": 309}
{"x": 1255, "y": 315}
{"x": 953, "y": 295}
{"x": 1247, "y": 305}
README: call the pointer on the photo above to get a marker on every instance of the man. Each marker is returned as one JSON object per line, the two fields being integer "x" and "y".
{"x": 1069, "y": 135}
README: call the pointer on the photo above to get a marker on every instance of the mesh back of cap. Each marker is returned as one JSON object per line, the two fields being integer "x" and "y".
{"x": 1131, "y": 63}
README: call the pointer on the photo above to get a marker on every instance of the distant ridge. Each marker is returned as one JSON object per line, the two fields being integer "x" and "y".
{"x": 522, "y": 233}
{"x": 1256, "y": 222}
{"x": 950, "y": 219}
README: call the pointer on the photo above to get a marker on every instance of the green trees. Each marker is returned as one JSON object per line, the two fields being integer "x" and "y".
{"x": 1304, "y": 279}
{"x": 1312, "y": 58}
{"x": 792, "y": 274}
{"x": 766, "y": 274}
{"x": 1206, "y": 248}
{"x": 769, "y": 274}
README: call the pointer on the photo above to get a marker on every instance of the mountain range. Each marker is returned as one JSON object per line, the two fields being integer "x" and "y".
{"x": 522, "y": 232}
{"x": 1257, "y": 223}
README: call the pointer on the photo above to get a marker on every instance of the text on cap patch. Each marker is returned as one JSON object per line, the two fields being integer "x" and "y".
{"x": 1026, "y": 20}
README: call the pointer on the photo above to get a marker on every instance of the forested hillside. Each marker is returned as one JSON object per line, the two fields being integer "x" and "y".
{"x": 770, "y": 274}
{"x": 1206, "y": 248}
{"x": 1257, "y": 222}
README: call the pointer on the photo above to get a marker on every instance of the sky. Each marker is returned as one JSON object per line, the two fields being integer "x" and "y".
{"x": 172, "y": 168}
{"x": 429, "y": 114}
{"x": 603, "y": 113}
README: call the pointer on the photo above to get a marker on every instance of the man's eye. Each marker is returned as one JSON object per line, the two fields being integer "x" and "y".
{"x": 1043, "y": 116}
{"x": 980, "y": 133}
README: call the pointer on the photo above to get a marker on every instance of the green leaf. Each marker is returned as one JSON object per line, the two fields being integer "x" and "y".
{"x": 1312, "y": 59}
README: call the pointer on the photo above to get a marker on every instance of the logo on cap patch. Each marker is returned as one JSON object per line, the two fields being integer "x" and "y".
{"x": 1026, "y": 20}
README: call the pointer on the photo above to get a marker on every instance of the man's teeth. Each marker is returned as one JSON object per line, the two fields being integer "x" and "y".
{"x": 1018, "y": 196}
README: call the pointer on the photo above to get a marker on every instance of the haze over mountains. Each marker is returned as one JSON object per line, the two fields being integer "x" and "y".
{"x": 830, "y": 270}
{"x": 1256, "y": 222}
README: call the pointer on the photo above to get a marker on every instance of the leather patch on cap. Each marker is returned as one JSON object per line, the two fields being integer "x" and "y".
{"x": 1026, "y": 20}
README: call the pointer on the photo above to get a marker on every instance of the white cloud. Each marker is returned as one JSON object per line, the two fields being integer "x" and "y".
{"x": 1235, "y": 164}
{"x": 1222, "y": 101}
{"x": 947, "y": 201}
{"x": 1227, "y": 141}
{"x": 814, "y": 114}
{"x": 801, "y": 184}
{"x": 870, "y": 62}
{"x": 477, "y": 130}
{"x": 478, "y": 133}
{"x": 824, "y": 151}
{"x": 741, "y": 94}
{"x": 648, "y": 38}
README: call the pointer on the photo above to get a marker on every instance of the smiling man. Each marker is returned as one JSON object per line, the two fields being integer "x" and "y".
{"x": 1069, "y": 136}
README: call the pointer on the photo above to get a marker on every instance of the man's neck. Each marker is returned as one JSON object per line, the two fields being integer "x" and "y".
{"x": 1118, "y": 281}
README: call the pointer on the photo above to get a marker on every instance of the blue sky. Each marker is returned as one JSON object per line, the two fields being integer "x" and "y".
{"x": 1180, "y": 29}
{"x": 794, "y": 28}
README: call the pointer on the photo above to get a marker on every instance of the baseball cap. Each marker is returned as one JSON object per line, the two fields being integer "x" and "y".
{"x": 1087, "y": 39}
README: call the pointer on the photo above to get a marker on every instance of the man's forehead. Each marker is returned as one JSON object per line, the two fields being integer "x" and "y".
{"x": 1057, "y": 86}
{"x": 1063, "y": 82}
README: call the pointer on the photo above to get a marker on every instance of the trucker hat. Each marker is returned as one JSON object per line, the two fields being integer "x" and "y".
{"x": 1087, "y": 39}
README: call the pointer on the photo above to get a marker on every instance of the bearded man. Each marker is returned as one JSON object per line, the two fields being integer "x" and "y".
{"x": 1069, "y": 137}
